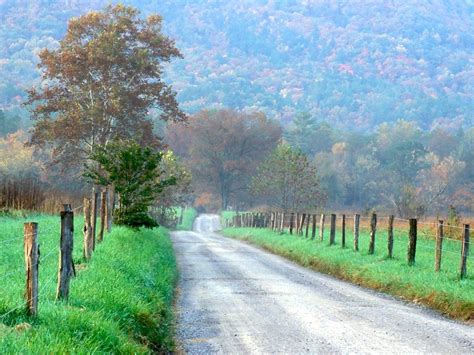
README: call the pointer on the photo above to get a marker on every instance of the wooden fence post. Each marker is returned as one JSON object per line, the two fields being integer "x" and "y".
{"x": 110, "y": 208}
{"x": 356, "y": 232}
{"x": 87, "y": 252}
{"x": 307, "y": 226}
{"x": 103, "y": 211}
{"x": 332, "y": 235}
{"x": 321, "y": 227}
{"x": 412, "y": 242}
{"x": 94, "y": 210}
{"x": 303, "y": 219}
{"x": 292, "y": 216}
{"x": 313, "y": 232}
{"x": 31, "y": 250}
{"x": 439, "y": 245}
{"x": 464, "y": 252}
{"x": 373, "y": 229}
{"x": 66, "y": 263}
{"x": 297, "y": 220}
{"x": 343, "y": 230}
{"x": 390, "y": 236}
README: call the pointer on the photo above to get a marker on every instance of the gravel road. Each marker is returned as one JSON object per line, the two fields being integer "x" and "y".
{"x": 237, "y": 299}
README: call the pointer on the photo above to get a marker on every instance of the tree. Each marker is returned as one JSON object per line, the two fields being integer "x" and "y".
{"x": 225, "y": 148}
{"x": 288, "y": 180}
{"x": 401, "y": 155}
{"x": 101, "y": 82}
{"x": 309, "y": 135}
{"x": 136, "y": 176}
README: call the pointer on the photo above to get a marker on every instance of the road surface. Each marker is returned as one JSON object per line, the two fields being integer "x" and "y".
{"x": 235, "y": 298}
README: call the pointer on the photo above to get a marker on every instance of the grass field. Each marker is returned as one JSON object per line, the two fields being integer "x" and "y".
{"x": 120, "y": 301}
{"x": 188, "y": 218}
{"x": 442, "y": 291}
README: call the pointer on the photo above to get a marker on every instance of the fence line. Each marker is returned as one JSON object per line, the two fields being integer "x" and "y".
{"x": 298, "y": 224}
{"x": 62, "y": 233}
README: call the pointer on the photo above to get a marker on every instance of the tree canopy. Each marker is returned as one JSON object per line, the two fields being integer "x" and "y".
{"x": 101, "y": 82}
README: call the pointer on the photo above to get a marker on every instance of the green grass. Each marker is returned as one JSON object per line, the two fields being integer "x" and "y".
{"x": 189, "y": 215}
{"x": 442, "y": 291}
{"x": 120, "y": 301}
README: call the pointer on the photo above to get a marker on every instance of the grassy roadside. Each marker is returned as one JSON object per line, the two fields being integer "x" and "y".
{"x": 189, "y": 215}
{"x": 120, "y": 301}
{"x": 441, "y": 291}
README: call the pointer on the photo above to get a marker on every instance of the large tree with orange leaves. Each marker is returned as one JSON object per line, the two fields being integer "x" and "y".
{"x": 101, "y": 83}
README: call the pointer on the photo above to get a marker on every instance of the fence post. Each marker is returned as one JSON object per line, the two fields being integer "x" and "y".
{"x": 343, "y": 230}
{"x": 373, "y": 229}
{"x": 103, "y": 211}
{"x": 95, "y": 199}
{"x": 297, "y": 220}
{"x": 464, "y": 252}
{"x": 332, "y": 235}
{"x": 110, "y": 208}
{"x": 87, "y": 252}
{"x": 321, "y": 227}
{"x": 66, "y": 263}
{"x": 439, "y": 245}
{"x": 412, "y": 242}
{"x": 390, "y": 236}
{"x": 31, "y": 250}
{"x": 313, "y": 232}
{"x": 307, "y": 226}
{"x": 356, "y": 232}
{"x": 303, "y": 219}
{"x": 292, "y": 216}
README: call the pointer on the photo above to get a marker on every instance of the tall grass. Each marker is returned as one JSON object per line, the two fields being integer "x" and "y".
{"x": 120, "y": 301}
{"x": 442, "y": 291}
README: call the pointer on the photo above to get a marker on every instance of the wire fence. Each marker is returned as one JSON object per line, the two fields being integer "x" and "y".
{"x": 19, "y": 263}
{"x": 441, "y": 245}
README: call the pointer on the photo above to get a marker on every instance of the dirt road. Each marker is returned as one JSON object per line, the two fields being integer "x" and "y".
{"x": 235, "y": 298}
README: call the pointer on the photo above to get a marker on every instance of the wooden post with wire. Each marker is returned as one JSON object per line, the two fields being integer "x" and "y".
{"x": 390, "y": 236}
{"x": 321, "y": 227}
{"x": 66, "y": 263}
{"x": 464, "y": 252}
{"x": 87, "y": 251}
{"x": 332, "y": 235}
{"x": 307, "y": 225}
{"x": 292, "y": 216}
{"x": 356, "y": 231}
{"x": 313, "y": 232}
{"x": 301, "y": 224}
{"x": 103, "y": 213}
{"x": 373, "y": 229}
{"x": 110, "y": 208}
{"x": 412, "y": 235}
{"x": 343, "y": 230}
{"x": 439, "y": 245}
{"x": 31, "y": 250}
{"x": 94, "y": 210}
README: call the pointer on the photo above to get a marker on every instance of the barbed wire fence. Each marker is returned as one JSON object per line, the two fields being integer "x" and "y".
{"x": 432, "y": 238}
{"x": 30, "y": 256}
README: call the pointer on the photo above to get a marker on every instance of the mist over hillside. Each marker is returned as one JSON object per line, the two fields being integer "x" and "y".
{"x": 352, "y": 63}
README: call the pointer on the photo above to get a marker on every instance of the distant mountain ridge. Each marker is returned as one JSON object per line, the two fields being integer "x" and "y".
{"x": 352, "y": 63}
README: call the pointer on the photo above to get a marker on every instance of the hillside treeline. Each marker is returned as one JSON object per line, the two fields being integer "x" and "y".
{"x": 355, "y": 64}
{"x": 399, "y": 168}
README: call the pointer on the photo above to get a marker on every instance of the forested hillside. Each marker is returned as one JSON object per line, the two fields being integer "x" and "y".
{"x": 353, "y": 63}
